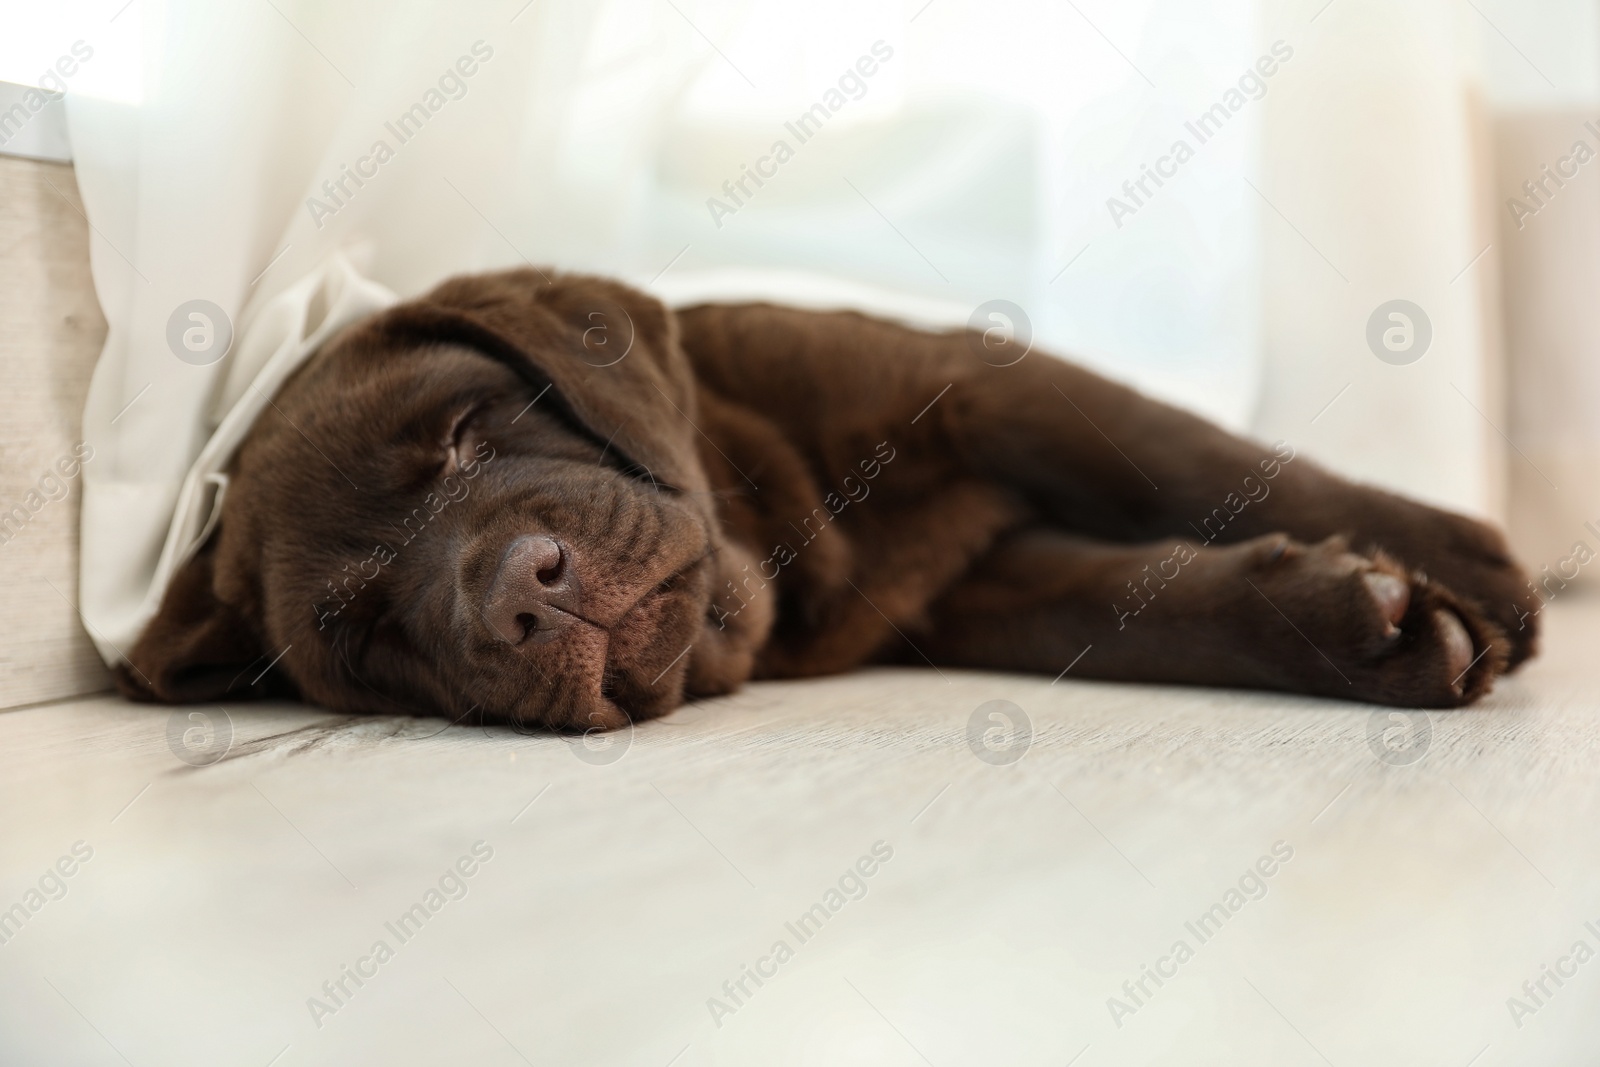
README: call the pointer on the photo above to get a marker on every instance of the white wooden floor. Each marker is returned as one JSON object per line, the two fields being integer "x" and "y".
{"x": 623, "y": 887}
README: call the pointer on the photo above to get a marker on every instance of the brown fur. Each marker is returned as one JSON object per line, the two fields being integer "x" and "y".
{"x": 756, "y": 491}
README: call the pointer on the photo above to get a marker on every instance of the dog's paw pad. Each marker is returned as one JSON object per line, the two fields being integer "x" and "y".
{"x": 1392, "y": 594}
{"x": 1455, "y": 646}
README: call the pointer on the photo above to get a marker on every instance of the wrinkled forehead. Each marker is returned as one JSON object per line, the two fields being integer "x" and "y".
{"x": 365, "y": 422}
{"x": 386, "y": 389}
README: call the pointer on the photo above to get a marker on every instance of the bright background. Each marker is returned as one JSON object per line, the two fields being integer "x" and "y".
{"x": 976, "y": 165}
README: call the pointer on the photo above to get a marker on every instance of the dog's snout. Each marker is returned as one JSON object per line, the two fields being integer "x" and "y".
{"x": 534, "y": 594}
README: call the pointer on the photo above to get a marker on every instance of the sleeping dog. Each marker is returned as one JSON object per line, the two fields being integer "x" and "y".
{"x": 550, "y": 501}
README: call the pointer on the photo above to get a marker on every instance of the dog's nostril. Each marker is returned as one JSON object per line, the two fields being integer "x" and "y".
{"x": 533, "y": 595}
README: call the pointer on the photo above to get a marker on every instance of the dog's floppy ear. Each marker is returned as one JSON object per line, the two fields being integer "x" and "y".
{"x": 610, "y": 352}
{"x": 198, "y": 646}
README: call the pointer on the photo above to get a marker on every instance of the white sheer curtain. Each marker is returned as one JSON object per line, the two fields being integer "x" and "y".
{"x": 956, "y": 154}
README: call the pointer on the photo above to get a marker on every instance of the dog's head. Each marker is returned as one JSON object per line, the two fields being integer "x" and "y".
{"x": 486, "y": 503}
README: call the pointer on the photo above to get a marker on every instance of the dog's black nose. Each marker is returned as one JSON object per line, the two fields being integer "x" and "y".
{"x": 534, "y": 594}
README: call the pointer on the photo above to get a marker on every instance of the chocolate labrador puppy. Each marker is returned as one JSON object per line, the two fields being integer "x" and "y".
{"x": 553, "y": 502}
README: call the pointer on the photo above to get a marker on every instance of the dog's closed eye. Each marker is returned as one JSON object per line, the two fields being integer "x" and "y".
{"x": 458, "y": 441}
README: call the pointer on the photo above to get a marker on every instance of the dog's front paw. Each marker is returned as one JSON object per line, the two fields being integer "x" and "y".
{"x": 1376, "y": 631}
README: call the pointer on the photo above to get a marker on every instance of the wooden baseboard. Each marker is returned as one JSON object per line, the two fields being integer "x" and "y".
{"x": 51, "y": 333}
